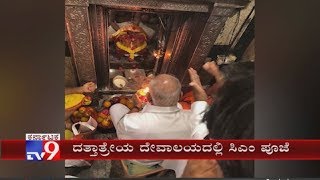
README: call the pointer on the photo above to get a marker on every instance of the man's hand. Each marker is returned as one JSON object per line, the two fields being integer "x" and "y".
{"x": 213, "y": 69}
{"x": 137, "y": 101}
{"x": 198, "y": 91}
{"x": 88, "y": 87}
{"x": 138, "y": 105}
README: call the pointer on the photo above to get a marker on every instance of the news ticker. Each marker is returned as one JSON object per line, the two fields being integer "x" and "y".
{"x": 38, "y": 148}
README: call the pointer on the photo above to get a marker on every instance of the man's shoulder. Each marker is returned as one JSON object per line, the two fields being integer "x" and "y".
{"x": 136, "y": 121}
{"x": 135, "y": 116}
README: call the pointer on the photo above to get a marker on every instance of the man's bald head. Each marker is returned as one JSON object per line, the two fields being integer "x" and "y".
{"x": 165, "y": 90}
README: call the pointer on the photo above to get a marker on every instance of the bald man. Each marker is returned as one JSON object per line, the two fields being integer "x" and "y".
{"x": 163, "y": 119}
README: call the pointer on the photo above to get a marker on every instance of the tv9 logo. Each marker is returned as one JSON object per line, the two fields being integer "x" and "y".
{"x": 42, "y": 150}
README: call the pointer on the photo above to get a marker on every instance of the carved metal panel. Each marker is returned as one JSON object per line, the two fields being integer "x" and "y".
{"x": 166, "y": 60}
{"x": 70, "y": 79}
{"x": 174, "y": 46}
{"x": 188, "y": 44}
{"x": 190, "y": 35}
{"x": 84, "y": 3}
{"x": 79, "y": 37}
{"x": 98, "y": 30}
{"x": 190, "y": 6}
{"x": 210, "y": 33}
{"x": 180, "y": 46}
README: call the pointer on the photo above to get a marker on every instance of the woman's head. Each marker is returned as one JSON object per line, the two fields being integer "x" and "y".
{"x": 232, "y": 115}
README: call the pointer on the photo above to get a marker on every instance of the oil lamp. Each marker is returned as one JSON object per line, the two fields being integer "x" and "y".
{"x": 157, "y": 54}
{"x": 142, "y": 94}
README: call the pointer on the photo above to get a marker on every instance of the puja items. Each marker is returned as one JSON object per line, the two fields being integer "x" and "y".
{"x": 125, "y": 100}
{"x": 84, "y": 130}
{"x": 104, "y": 119}
{"x": 130, "y": 40}
{"x": 142, "y": 94}
{"x": 83, "y": 114}
{"x": 73, "y": 101}
{"x": 80, "y": 130}
{"x": 119, "y": 82}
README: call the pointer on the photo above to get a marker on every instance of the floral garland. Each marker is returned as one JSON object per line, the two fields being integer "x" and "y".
{"x": 131, "y": 51}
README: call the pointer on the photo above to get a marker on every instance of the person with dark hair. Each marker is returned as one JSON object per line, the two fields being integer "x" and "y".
{"x": 230, "y": 117}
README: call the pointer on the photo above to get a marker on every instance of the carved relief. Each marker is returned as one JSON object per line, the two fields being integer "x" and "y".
{"x": 98, "y": 27}
{"x": 80, "y": 40}
{"x": 190, "y": 34}
{"x": 192, "y": 55}
{"x": 210, "y": 33}
{"x": 77, "y": 3}
{"x": 69, "y": 73}
{"x": 184, "y": 34}
{"x": 155, "y": 4}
